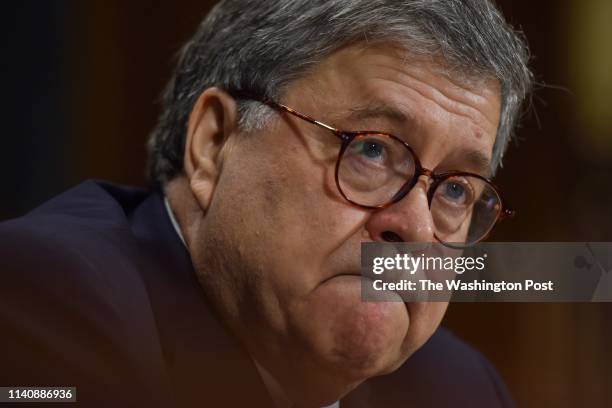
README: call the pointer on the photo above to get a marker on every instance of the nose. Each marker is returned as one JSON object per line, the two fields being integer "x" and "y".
{"x": 408, "y": 220}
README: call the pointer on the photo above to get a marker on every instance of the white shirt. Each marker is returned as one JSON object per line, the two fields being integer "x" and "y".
{"x": 173, "y": 221}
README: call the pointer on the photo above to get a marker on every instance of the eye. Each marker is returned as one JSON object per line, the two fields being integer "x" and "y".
{"x": 371, "y": 149}
{"x": 457, "y": 191}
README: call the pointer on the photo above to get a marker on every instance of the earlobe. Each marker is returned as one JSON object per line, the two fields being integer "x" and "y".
{"x": 212, "y": 121}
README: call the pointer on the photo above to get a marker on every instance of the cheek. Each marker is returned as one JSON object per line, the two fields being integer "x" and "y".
{"x": 280, "y": 211}
{"x": 294, "y": 203}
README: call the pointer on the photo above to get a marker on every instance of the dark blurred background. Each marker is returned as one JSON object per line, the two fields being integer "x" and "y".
{"x": 80, "y": 87}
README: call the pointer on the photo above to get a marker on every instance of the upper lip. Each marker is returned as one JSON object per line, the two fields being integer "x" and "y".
{"x": 342, "y": 274}
{"x": 352, "y": 273}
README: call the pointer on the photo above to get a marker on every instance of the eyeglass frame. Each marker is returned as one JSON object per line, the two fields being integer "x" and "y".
{"x": 346, "y": 137}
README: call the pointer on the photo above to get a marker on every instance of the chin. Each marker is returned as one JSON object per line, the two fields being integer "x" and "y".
{"x": 371, "y": 341}
{"x": 354, "y": 339}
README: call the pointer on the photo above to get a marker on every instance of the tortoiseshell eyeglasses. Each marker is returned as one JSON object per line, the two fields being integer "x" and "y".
{"x": 375, "y": 170}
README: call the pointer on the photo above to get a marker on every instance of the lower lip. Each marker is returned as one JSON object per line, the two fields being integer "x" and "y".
{"x": 412, "y": 308}
{"x": 352, "y": 279}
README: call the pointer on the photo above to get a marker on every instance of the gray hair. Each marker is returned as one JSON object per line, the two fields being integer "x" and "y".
{"x": 261, "y": 46}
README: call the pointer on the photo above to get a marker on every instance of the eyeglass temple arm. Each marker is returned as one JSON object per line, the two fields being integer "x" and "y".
{"x": 291, "y": 111}
{"x": 306, "y": 118}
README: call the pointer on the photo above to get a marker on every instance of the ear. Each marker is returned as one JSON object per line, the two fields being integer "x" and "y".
{"x": 211, "y": 122}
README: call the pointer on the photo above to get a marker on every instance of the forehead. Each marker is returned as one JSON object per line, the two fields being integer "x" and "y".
{"x": 384, "y": 85}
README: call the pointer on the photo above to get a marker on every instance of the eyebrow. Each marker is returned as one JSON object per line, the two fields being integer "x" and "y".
{"x": 478, "y": 162}
{"x": 375, "y": 110}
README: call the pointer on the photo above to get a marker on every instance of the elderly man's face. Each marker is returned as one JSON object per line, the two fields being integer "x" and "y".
{"x": 278, "y": 250}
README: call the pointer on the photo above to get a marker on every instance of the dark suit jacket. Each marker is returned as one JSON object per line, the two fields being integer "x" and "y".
{"x": 98, "y": 292}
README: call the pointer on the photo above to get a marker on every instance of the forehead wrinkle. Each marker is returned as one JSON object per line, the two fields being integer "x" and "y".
{"x": 459, "y": 114}
{"x": 467, "y": 104}
{"x": 376, "y": 109}
{"x": 457, "y": 79}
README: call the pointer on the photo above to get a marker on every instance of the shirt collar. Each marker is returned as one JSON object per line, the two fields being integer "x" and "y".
{"x": 177, "y": 229}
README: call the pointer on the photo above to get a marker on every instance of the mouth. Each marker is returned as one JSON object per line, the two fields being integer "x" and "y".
{"x": 393, "y": 296}
{"x": 344, "y": 274}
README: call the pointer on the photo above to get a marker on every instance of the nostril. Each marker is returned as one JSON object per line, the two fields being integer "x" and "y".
{"x": 389, "y": 236}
